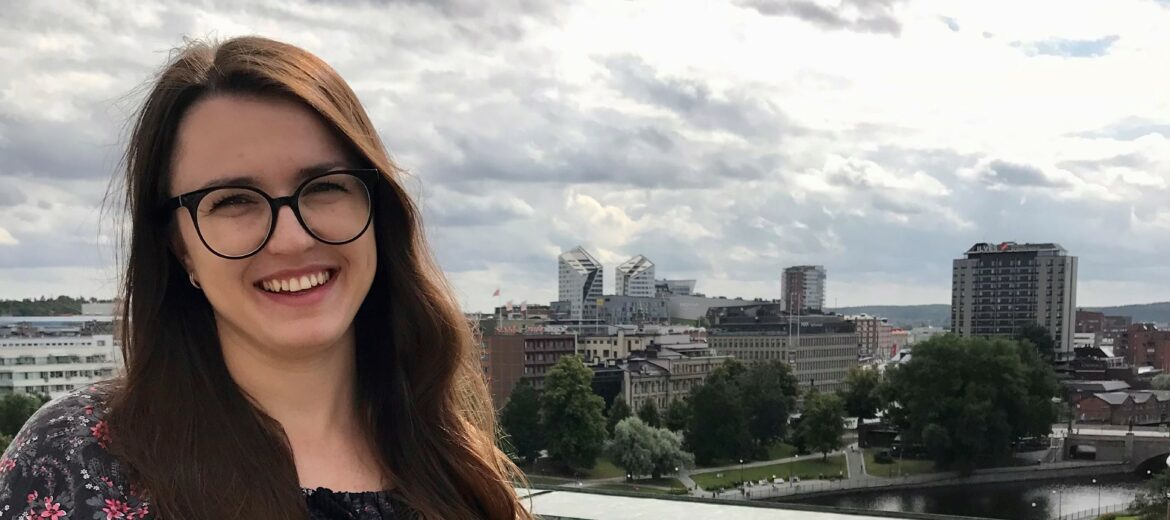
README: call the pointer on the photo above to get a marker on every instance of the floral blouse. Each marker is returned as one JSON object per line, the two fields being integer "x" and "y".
{"x": 57, "y": 468}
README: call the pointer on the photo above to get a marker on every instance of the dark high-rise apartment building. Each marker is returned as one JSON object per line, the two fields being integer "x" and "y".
{"x": 803, "y": 288}
{"x": 999, "y": 288}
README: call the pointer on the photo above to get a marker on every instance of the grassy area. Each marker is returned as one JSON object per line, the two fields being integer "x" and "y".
{"x": 805, "y": 469}
{"x": 660, "y": 486}
{"x": 602, "y": 469}
{"x": 781, "y": 450}
{"x": 905, "y": 467}
{"x": 549, "y": 481}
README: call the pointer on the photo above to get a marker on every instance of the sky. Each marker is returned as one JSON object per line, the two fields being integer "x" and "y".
{"x": 722, "y": 140}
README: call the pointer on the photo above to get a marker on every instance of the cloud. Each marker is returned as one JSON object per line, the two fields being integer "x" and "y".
{"x": 1003, "y": 173}
{"x": 724, "y": 145}
{"x": 6, "y": 238}
{"x": 873, "y": 16}
{"x": 1067, "y": 48}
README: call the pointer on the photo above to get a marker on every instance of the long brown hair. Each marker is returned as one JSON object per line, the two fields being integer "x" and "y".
{"x": 189, "y": 435}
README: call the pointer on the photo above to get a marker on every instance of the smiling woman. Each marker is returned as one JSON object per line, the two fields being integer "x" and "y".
{"x": 292, "y": 350}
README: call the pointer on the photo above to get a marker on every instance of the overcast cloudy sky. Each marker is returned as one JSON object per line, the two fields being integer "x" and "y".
{"x": 723, "y": 140}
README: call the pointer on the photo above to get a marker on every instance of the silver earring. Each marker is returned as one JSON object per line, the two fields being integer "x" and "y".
{"x": 194, "y": 282}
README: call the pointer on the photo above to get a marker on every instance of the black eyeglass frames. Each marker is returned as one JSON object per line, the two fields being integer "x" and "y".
{"x": 235, "y": 222}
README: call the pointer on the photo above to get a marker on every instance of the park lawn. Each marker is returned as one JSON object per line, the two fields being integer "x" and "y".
{"x": 538, "y": 480}
{"x": 905, "y": 467}
{"x": 781, "y": 450}
{"x": 805, "y": 469}
{"x": 603, "y": 468}
{"x": 659, "y": 486}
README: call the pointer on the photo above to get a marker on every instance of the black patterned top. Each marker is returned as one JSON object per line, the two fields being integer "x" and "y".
{"x": 57, "y": 468}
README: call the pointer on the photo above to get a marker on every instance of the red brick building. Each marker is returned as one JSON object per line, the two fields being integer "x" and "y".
{"x": 1142, "y": 407}
{"x": 1148, "y": 346}
{"x": 1090, "y": 322}
{"x": 507, "y": 358}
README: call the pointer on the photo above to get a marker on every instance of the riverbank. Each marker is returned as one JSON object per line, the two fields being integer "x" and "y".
{"x": 1057, "y": 470}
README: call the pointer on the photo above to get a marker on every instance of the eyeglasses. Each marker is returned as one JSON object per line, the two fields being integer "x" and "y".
{"x": 236, "y": 222}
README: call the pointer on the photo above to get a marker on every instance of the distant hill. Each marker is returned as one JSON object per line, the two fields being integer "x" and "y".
{"x": 939, "y": 315}
{"x": 905, "y": 316}
{"x": 1151, "y": 312}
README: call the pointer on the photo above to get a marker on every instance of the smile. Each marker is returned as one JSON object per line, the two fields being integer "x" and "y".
{"x": 296, "y": 284}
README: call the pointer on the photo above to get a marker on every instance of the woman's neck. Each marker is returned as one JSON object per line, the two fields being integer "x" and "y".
{"x": 311, "y": 394}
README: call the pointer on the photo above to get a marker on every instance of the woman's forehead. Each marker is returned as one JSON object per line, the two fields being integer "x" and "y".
{"x": 271, "y": 142}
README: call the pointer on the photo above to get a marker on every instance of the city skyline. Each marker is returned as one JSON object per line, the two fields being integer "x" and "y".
{"x": 879, "y": 142}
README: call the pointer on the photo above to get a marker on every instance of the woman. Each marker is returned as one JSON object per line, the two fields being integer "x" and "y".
{"x": 292, "y": 350}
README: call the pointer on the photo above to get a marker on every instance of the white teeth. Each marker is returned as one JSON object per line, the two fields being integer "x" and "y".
{"x": 296, "y": 284}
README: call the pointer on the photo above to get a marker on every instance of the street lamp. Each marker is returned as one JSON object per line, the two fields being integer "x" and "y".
{"x": 1098, "y": 495}
{"x": 741, "y": 482}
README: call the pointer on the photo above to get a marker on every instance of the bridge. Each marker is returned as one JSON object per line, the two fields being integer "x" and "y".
{"x": 1144, "y": 449}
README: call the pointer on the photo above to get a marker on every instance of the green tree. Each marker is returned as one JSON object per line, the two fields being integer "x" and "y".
{"x": 520, "y": 420}
{"x": 571, "y": 414}
{"x": 718, "y": 425}
{"x": 1150, "y": 503}
{"x": 768, "y": 392}
{"x": 678, "y": 413}
{"x": 822, "y": 422}
{"x": 1039, "y": 337}
{"x": 618, "y": 410}
{"x": 641, "y": 449}
{"x": 5, "y": 440}
{"x": 1161, "y": 382}
{"x": 649, "y": 414}
{"x": 860, "y": 395}
{"x": 15, "y": 409}
{"x": 968, "y": 399}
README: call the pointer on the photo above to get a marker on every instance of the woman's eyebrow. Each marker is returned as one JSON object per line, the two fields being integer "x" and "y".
{"x": 253, "y": 180}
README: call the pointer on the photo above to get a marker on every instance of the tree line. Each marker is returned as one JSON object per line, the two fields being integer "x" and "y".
{"x": 963, "y": 402}
{"x": 59, "y": 306}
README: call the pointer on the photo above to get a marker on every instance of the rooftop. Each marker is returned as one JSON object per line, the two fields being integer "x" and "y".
{"x": 572, "y": 505}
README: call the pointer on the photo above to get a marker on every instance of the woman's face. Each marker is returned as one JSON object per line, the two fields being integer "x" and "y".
{"x": 273, "y": 145}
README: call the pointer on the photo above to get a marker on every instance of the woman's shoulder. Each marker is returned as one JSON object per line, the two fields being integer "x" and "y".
{"x": 59, "y": 464}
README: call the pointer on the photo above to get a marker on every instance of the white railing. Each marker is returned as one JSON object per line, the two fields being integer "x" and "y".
{"x": 1095, "y": 512}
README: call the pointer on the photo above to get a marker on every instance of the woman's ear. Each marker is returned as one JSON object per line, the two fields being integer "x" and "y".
{"x": 179, "y": 249}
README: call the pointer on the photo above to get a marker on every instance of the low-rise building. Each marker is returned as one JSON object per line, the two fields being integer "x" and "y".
{"x": 820, "y": 348}
{"x": 1137, "y": 407}
{"x": 511, "y": 356}
{"x": 1146, "y": 346}
{"x": 667, "y": 372}
{"x": 56, "y": 365}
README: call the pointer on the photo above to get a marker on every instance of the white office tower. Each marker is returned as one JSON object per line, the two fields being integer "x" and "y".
{"x": 635, "y": 278}
{"x": 581, "y": 280}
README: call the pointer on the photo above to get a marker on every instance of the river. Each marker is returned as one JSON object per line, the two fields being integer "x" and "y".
{"x": 1030, "y": 500}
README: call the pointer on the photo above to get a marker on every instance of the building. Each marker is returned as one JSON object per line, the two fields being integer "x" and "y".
{"x": 874, "y": 333}
{"x": 803, "y": 288}
{"x": 1089, "y": 322}
{"x": 694, "y": 307}
{"x": 635, "y": 277}
{"x": 511, "y": 356}
{"x": 820, "y": 348}
{"x": 633, "y": 310}
{"x": 580, "y": 282}
{"x": 1086, "y": 340}
{"x": 667, "y": 372}
{"x": 663, "y": 288}
{"x": 1148, "y": 347}
{"x": 622, "y": 341}
{"x": 34, "y": 361}
{"x": 998, "y": 289}
{"x": 1136, "y": 407}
